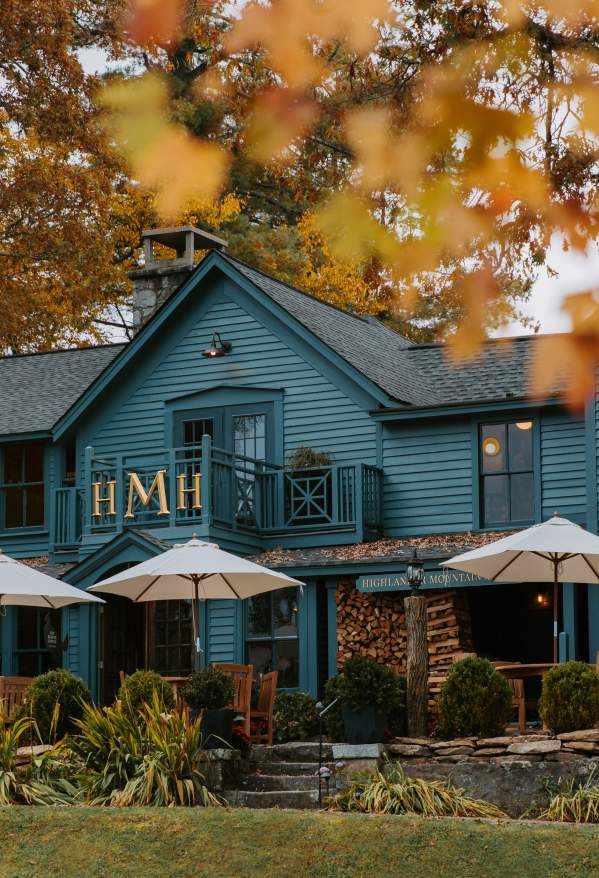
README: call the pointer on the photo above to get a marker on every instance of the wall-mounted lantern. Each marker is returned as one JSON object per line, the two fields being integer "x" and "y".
{"x": 218, "y": 347}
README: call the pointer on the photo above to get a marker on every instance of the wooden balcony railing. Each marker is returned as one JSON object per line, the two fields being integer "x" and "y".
{"x": 212, "y": 487}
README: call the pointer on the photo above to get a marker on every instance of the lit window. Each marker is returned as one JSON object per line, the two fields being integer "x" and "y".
{"x": 506, "y": 473}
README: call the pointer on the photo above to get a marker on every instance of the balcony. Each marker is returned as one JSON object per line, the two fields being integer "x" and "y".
{"x": 212, "y": 490}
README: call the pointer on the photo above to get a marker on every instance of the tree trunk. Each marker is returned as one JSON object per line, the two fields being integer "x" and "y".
{"x": 416, "y": 665}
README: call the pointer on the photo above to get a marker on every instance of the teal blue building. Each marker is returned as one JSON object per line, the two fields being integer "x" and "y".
{"x": 109, "y": 455}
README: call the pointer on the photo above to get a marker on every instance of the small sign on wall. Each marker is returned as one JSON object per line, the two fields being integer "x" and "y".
{"x": 432, "y": 579}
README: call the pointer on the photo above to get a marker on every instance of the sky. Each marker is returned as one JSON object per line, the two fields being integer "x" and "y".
{"x": 576, "y": 272}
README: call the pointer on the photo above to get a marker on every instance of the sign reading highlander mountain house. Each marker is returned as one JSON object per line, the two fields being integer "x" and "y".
{"x": 188, "y": 486}
{"x": 432, "y": 579}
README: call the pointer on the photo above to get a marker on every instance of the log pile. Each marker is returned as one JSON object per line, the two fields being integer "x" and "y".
{"x": 373, "y": 625}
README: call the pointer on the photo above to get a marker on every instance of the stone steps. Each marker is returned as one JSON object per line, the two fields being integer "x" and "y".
{"x": 310, "y": 768}
{"x": 282, "y": 782}
{"x": 298, "y": 799}
{"x": 292, "y": 752}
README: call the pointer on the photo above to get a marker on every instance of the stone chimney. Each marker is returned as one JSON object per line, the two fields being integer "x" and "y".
{"x": 159, "y": 278}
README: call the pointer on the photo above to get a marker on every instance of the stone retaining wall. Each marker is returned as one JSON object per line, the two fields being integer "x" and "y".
{"x": 515, "y": 773}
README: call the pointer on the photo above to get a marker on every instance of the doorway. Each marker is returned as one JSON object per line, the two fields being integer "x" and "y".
{"x": 122, "y": 639}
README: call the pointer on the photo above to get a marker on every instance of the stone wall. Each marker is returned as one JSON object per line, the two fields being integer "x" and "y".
{"x": 515, "y": 773}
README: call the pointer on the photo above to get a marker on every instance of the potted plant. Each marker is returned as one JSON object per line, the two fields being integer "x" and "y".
{"x": 207, "y": 693}
{"x": 368, "y": 693}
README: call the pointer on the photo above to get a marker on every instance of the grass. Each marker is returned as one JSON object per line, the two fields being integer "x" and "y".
{"x": 197, "y": 843}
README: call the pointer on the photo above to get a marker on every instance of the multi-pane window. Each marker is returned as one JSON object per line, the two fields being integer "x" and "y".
{"x": 22, "y": 486}
{"x": 506, "y": 473}
{"x": 172, "y": 639}
{"x": 249, "y": 440}
{"x": 194, "y": 430}
{"x": 272, "y": 637}
{"x": 38, "y": 644}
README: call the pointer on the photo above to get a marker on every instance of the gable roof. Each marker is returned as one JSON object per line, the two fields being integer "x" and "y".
{"x": 37, "y": 389}
{"x": 372, "y": 348}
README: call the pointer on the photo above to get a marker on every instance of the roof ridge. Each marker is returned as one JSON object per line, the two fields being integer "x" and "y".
{"x": 112, "y": 344}
{"x": 487, "y": 341}
{"x": 363, "y": 318}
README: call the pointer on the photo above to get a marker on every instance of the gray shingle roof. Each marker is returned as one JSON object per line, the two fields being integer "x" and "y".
{"x": 37, "y": 389}
{"x": 500, "y": 371}
{"x": 372, "y": 348}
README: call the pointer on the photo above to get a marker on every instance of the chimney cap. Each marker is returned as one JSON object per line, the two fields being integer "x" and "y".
{"x": 176, "y": 237}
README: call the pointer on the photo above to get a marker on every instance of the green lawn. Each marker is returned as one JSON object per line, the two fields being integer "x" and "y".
{"x": 152, "y": 843}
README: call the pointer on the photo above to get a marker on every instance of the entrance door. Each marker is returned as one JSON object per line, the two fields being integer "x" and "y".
{"x": 122, "y": 642}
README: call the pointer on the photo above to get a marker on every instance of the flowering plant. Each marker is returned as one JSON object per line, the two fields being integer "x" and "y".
{"x": 241, "y": 740}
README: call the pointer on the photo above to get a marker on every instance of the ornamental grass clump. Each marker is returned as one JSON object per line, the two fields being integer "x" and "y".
{"x": 138, "y": 689}
{"x": 570, "y": 698}
{"x": 294, "y": 717}
{"x": 577, "y": 803}
{"x": 43, "y": 780}
{"x": 475, "y": 700}
{"x": 391, "y": 792}
{"x": 154, "y": 758}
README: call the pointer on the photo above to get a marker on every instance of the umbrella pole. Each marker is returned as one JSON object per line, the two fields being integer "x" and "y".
{"x": 555, "y": 614}
{"x": 195, "y": 616}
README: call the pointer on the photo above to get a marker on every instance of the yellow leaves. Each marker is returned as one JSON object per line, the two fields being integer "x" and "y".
{"x": 288, "y": 30}
{"x": 276, "y": 119}
{"x": 353, "y": 232}
{"x": 163, "y": 156}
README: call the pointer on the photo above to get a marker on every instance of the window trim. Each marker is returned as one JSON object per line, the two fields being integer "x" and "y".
{"x": 272, "y": 639}
{"x": 477, "y": 474}
{"x": 28, "y": 528}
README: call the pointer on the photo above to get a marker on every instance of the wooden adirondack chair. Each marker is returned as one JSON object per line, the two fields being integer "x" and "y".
{"x": 12, "y": 694}
{"x": 262, "y": 716}
{"x": 242, "y": 698}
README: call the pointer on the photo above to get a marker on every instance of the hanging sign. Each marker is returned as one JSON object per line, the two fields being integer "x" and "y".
{"x": 442, "y": 578}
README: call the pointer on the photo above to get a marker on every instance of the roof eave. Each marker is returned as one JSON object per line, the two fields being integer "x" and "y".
{"x": 444, "y": 410}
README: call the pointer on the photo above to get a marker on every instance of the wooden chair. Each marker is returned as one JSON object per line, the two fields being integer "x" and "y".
{"x": 242, "y": 697}
{"x": 12, "y": 694}
{"x": 263, "y": 714}
{"x": 518, "y": 696}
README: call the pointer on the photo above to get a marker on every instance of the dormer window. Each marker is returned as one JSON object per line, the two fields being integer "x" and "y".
{"x": 22, "y": 485}
{"x": 506, "y": 467}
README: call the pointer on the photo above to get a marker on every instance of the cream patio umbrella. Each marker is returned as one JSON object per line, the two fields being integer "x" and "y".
{"x": 24, "y": 586}
{"x": 555, "y": 551}
{"x": 194, "y": 571}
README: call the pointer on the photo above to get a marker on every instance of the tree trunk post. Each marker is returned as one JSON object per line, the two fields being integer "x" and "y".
{"x": 417, "y": 666}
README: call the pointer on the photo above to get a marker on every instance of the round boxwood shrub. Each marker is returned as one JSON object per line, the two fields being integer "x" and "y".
{"x": 475, "y": 700}
{"x": 139, "y": 687}
{"x": 210, "y": 689}
{"x": 294, "y": 717}
{"x": 362, "y": 682}
{"x": 570, "y": 698}
{"x": 55, "y": 688}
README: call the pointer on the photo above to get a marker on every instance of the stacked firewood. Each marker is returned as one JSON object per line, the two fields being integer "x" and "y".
{"x": 374, "y": 625}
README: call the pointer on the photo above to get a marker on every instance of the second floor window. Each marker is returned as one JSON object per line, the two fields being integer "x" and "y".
{"x": 507, "y": 486}
{"x": 22, "y": 487}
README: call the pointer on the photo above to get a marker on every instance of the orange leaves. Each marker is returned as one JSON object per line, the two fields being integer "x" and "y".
{"x": 276, "y": 119}
{"x": 289, "y": 29}
{"x": 163, "y": 156}
{"x": 154, "y": 21}
{"x": 567, "y": 363}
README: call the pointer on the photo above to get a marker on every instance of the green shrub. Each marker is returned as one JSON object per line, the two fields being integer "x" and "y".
{"x": 54, "y": 702}
{"x": 138, "y": 689}
{"x": 210, "y": 689}
{"x": 570, "y": 698}
{"x": 294, "y": 717}
{"x": 360, "y": 683}
{"x": 475, "y": 700}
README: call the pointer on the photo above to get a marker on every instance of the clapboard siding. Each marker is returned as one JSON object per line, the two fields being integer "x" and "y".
{"x": 71, "y": 629}
{"x": 427, "y": 478}
{"x": 221, "y": 631}
{"x": 316, "y": 412}
{"x": 563, "y": 466}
